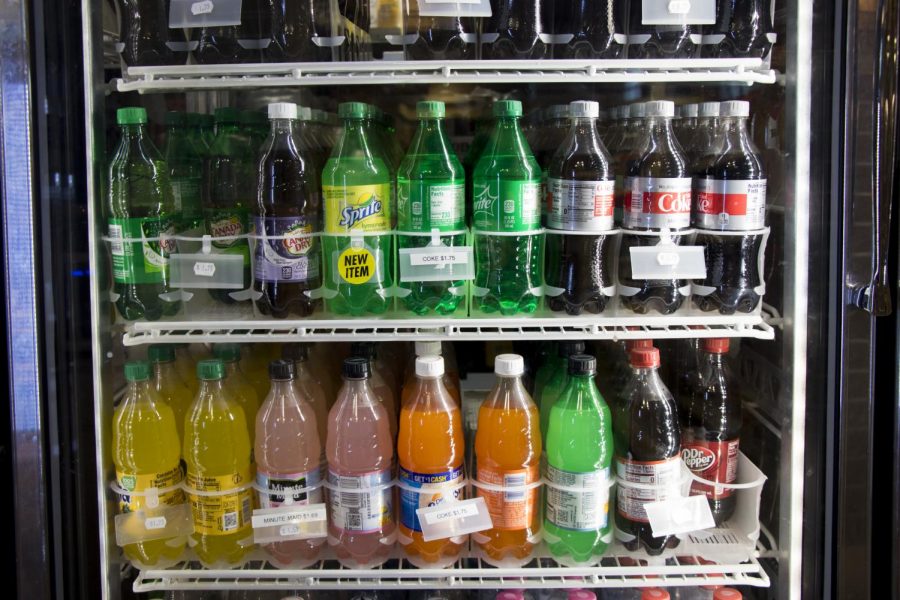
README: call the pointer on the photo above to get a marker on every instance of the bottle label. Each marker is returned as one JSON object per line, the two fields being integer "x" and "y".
{"x": 423, "y": 206}
{"x": 287, "y": 256}
{"x": 731, "y": 205}
{"x": 365, "y": 208}
{"x": 507, "y": 205}
{"x": 140, "y": 261}
{"x": 365, "y": 511}
{"x": 186, "y": 191}
{"x": 229, "y": 222}
{"x": 276, "y": 484}
{"x": 580, "y": 205}
{"x": 578, "y": 511}
{"x": 712, "y": 461}
{"x": 657, "y": 202}
{"x": 663, "y": 475}
{"x": 139, "y": 483}
{"x": 432, "y": 489}
{"x": 220, "y": 514}
{"x": 513, "y": 508}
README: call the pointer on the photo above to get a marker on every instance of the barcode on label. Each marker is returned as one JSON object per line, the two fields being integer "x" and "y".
{"x": 514, "y": 480}
{"x": 115, "y": 234}
{"x": 246, "y": 509}
{"x": 350, "y": 500}
{"x": 354, "y": 521}
{"x": 229, "y": 521}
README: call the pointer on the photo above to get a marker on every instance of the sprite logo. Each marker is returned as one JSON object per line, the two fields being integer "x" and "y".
{"x": 352, "y": 215}
{"x": 297, "y": 246}
{"x": 484, "y": 202}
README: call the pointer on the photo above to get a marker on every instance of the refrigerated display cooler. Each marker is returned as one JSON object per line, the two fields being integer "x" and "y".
{"x": 817, "y": 509}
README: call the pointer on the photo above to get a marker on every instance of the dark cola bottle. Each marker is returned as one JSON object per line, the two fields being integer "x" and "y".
{"x": 580, "y": 189}
{"x": 730, "y": 213}
{"x": 144, "y": 35}
{"x": 233, "y": 44}
{"x": 706, "y": 140}
{"x": 290, "y": 32}
{"x": 596, "y": 26}
{"x": 648, "y": 453}
{"x": 710, "y": 448}
{"x": 513, "y": 31}
{"x": 628, "y": 152}
{"x": 659, "y": 41}
{"x": 657, "y": 200}
{"x": 743, "y": 29}
{"x": 440, "y": 37}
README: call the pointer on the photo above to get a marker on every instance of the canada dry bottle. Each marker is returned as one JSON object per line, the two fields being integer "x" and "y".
{"x": 513, "y": 31}
{"x": 184, "y": 158}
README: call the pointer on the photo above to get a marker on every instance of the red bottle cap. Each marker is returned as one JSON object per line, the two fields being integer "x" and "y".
{"x": 632, "y": 344}
{"x": 727, "y": 594}
{"x": 716, "y": 345}
{"x": 654, "y": 594}
{"x": 645, "y": 357}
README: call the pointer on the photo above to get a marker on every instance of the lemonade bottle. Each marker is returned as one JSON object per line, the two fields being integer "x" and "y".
{"x": 145, "y": 454}
{"x": 236, "y": 383}
{"x": 308, "y": 388}
{"x": 168, "y": 384}
{"x": 186, "y": 367}
{"x": 508, "y": 451}
{"x": 217, "y": 453}
{"x": 431, "y": 454}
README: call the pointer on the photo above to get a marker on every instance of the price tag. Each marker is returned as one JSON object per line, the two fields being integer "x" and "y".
{"x": 437, "y": 263}
{"x": 439, "y": 257}
{"x": 202, "y": 8}
{"x": 154, "y": 523}
{"x": 667, "y": 262}
{"x": 681, "y": 514}
{"x": 204, "y": 269}
{"x": 451, "y": 519}
{"x": 289, "y": 522}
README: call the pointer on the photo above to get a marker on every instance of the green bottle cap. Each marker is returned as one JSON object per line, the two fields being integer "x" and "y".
{"x": 195, "y": 119}
{"x": 132, "y": 115}
{"x": 353, "y": 110}
{"x": 227, "y": 115}
{"x": 430, "y": 109}
{"x": 176, "y": 119}
{"x": 161, "y": 353}
{"x": 138, "y": 370}
{"x": 210, "y": 369}
{"x": 227, "y": 352}
{"x": 507, "y": 108}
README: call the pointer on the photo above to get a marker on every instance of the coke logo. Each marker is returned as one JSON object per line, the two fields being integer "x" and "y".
{"x": 698, "y": 458}
{"x": 706, "y": 203}
{"x": 667, "y": 202}
{"x": 713, "y": 204}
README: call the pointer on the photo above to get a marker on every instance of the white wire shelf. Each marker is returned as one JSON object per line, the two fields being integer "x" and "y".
{"x": 217, "y": 77}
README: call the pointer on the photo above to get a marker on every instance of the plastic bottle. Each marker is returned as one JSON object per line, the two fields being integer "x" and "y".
{"x": 288, "y": 454}
{"x": 325, "y": 371}
{"x": 217, "y": 451}
{"x": 186, "y": 367}
{"x": 430, "y": 450}
{"x": 356, "y": 186}
{"x": 145, "y": 36}
{"x": 168, "y": 384}
{"x": 290, "y": 32}
{"x": 431, "y": 196}
{"x": 360, "y": 450}
{"x": 706, "y": 141}
{"x": 685, "y": 126}
{"x": 289, "y": 206}
{"x": 660, "y": 41}
{"x": 440, "y": 37}
{"x": 146, "y": 455}
{"x": 580, "y": 193}
{"x": 231, "y": 44}
{"x": 514, "y": 31}
{"x": 597, "y": 28}
{"x": 710, "y": 448}
{"x": 382, "y": 390}
{"x": 140, "y": 206}
{"x": 254, "y": 126}
{"x": 228, "y": 193}
{"x": 208, "y": 129}
{"x": 506, "y": 190}
{"x": 184, "y": 158}
{"x": 552, "y": 132}
{"x": 687, "y": 384}
{"x": 648, "y": 451}
{"x": 195, "y": 123}
{"x": 577, "y": 528}
{"x": 236, "y": 383}
{"x": 508, "y": 450}
{"x": 629, "y": 152}
{"x": 308, "y": 388}
{"x": 451, "y": 371}
{"x": 743, "y": 29}
{"x": 552, "y": 378}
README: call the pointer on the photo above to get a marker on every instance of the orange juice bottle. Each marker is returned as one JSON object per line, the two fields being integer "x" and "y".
{"x": 508, "y": 454}
{"x": 430, "y": 449}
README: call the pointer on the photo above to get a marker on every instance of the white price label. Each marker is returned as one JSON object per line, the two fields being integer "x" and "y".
{"x": 681, "y": 514}
{"x": 460, "y": 510}
{"x": 438, "y": 257}
{"x": 204, "y": 269}
{"x": 154, "y": 523}
{"x": 288, "y": 530}
{"x": 286, "y": 517}
{"x": 202, "y": 8}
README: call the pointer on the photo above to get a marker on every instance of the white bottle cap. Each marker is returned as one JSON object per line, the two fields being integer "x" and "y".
{"x": 509, "y": 365}
{"x": 558, "y": 111}
{"x": 580, "y": 109}
{"x": 428, "y": 348}
{"x": 734, "y": 108}
{"x": 282, "y": 110}
{"x": 709, "y": 109}
{"x": 305, "y": 113}
{"x": 688, "y": 111}
{"x": 429, "y": 366}
{"x": 637, "y": 110}
{"x": 660, "y": 108}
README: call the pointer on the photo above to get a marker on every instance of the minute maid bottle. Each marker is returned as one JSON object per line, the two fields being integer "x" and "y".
{"x": 356, "y": 185}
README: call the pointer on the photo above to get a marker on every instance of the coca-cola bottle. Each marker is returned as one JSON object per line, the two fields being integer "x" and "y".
{"x": 659, "y": 41}
{"x": 705, "y": 145}
{"x": 440, "y": 37}
{"x": 513, "y": 31}
{"x": 580, "y": 188}
{"x": 648, "y": 453}
{"x": 615, "y": 132}
{"x": 743, "y": 29}
{"x": 657, "y": 199}
{"x": 596, "y": 26}
{"x": 730, "y": 210}
{"x": 710, "y": 444}
{"x": 687, "y": 380}
{"x": 629, "y": 151}
{"x": 686, "y": 123}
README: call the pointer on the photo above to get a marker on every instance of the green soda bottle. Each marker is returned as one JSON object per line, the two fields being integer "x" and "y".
{"x": 255, "y": 126}
{"x": 506, "y": 191}
{"x": 552, "y": 378}
{"x": 195, "y": 123}
{"x": 229, "y": 190}
{"x": 356, "y": 187}
{"x": 142, "y": 210}
{"x": 207, "y": 129}
{"x": 577, "y": 528}
{"x": 431, "y": 196}
{"x": 184, "y": 157}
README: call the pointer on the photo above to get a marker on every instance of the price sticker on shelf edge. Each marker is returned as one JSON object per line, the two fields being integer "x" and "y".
{"x": 451, "y": 519}
{"x": 149, "y": 524}
{"x": 437, "y": 263}
{"x": 667, "y": 261}
{"x": 284, "y": 523}
{"x": 681, "y": 514}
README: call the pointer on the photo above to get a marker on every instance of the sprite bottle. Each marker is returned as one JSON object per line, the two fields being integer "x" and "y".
{"x": 506, "y": 188}
{"x": 184, "y": 157}
{"x": 431, "y": 196}
{"x": 356, "y": 187}
{"x": 142, "y": 218}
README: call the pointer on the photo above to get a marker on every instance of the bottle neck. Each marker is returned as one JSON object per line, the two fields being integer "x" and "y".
{"x": 232, "y": 367}
{"x": 585, "y": 129}
{"x": 138, "y": 391}
{"x": 211, "y": 388}
{"x": 648, "y": 377}
{"x": 359, "y": 389}
{"x": 508, "y": 387}
{"x": 507, "y": 134}
{"x": 734, "y": 131}
{"x": 282, "y": 126}
{"x": 660, "y": 135}
{"x": 282, "y": 388}
{"x": 164, "y": 369}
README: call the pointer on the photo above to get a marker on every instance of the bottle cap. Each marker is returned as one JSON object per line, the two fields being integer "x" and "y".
{"x": 132, "y": 115}
{"x": 429, "y": 366}
{"x": 352, "y": 110}
{"x": 581, "y": 595}
{"x": 716, "y": 345}
{"x": 709, "y": 109}
{"x": 632, "y": 344}
{"x": 580, "y": 109}
{"x": 158, "y": 353}
{"x": 175, "y": 118}
{"x": 637, "y": 110}
{"x": 688, "y": 111}
{"x": 582, "y": 364}
{"x": 138, "y": 370}
{"x": 507, "y": 108}
{"x": 430, "y": 109}
{"x": 509, "y": 365}
{"x": 210, "y": 369}
{"x": 282, "y": 110}
{"x": 654, "y": 594}
{"x": 363, "y": 350}
{"x": 296, "y": 352}
{"x": 734, "y": 108}
{"x": 726, "y": 593}
{"x": 568, "y": 348}
{"x": 281, "y": 370}
{"x": 356, "y": 368}
{"x": 227, "y": 352}
{"x": 644, "y": 358}
{"x": 659, "y": 108}
{"x": 304, "y": 113}
{"x": 428, "y": 348}
{"x": 558, "y": 111}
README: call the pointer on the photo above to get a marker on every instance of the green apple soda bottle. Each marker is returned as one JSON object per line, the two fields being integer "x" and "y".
{"x": 184, "y": 158}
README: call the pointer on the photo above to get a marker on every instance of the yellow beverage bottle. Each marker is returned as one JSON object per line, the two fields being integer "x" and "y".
{"x": 146, "y": 455}
{"x": 255, "y": 365}
{"x": 168, "y": 383}
{"x": 186, "y": 367}
{"x": 237, "y": 384}
{"x": 217, "y": 453}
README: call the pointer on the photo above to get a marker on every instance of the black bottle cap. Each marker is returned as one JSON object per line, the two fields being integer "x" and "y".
{"x": 568, "y": 348}
{"x": 356, "y": 368}
{"x": 363, "y": 350}
{"x": 582, "y": 364}
{"x": 296, "y": 352}
{"x": 281, "y": 370}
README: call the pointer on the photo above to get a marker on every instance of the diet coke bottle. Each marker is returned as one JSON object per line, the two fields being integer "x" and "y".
{"x": 743, "y": 29}
{"x": 629, "y": 152}
{"x": 705, "y": 144}
{"x": 686, "y": 123}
